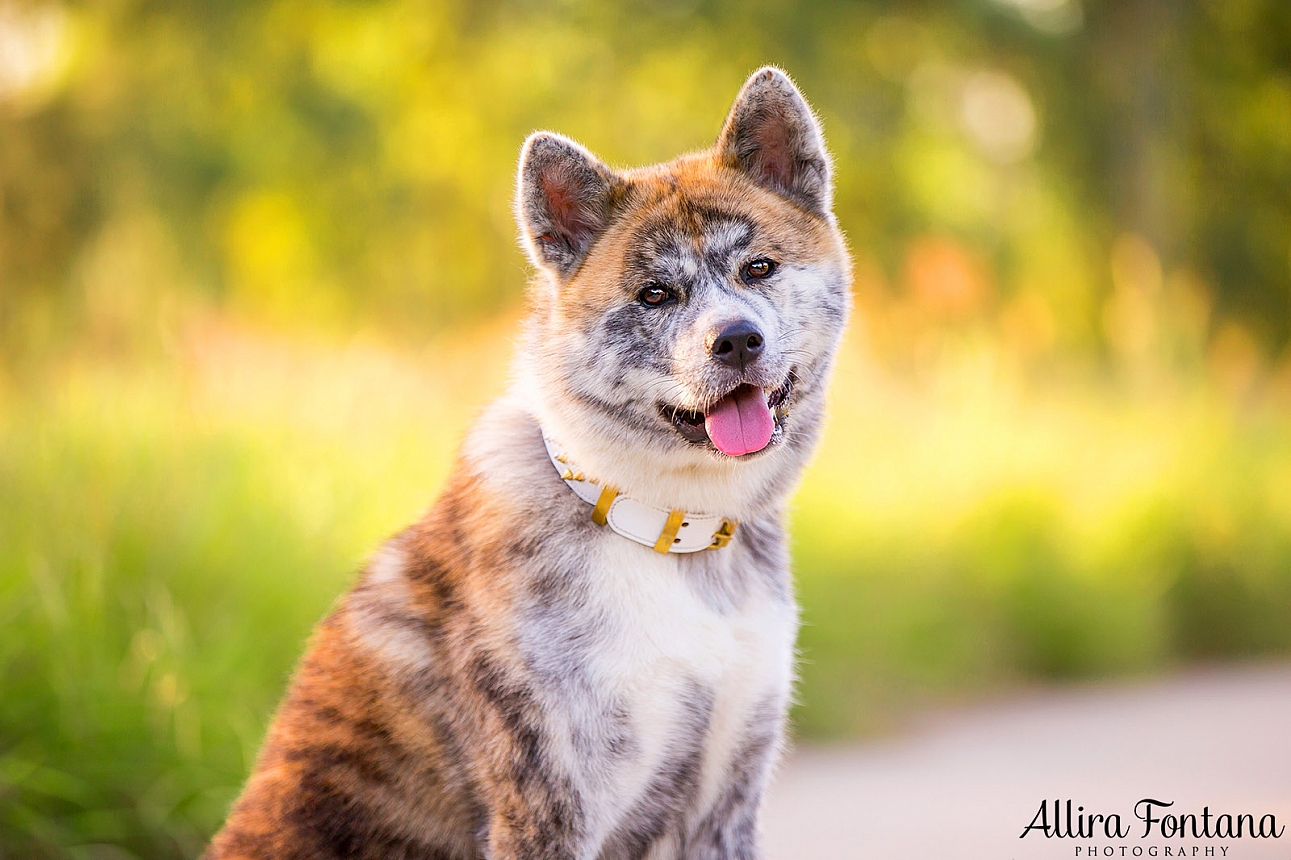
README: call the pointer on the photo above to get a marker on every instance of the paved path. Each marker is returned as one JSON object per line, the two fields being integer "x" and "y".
{"x": 964, "y": 785}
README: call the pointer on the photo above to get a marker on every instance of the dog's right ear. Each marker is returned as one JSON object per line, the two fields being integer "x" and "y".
{"x": 563, "y": 200}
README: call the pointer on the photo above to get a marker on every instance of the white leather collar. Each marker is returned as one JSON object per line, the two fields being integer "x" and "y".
{"x": 661, "y": 530}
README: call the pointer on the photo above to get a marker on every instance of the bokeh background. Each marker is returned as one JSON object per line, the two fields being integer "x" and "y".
{"x": 258, "y": 271}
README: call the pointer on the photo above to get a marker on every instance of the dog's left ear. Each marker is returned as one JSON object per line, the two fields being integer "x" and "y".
{"x": 772, "y": 135}
{"x": 564, "y": 196}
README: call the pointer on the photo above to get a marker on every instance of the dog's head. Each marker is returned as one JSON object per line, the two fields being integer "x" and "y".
{"x": 687, "y": 313}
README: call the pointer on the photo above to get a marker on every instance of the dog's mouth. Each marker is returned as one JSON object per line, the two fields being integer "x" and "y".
{"x": 746, "y": 420}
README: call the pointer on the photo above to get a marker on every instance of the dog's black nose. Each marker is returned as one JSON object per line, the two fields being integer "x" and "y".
{"x": 738, "y": 344}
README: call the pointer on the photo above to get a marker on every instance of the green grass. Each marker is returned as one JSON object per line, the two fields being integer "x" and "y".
{"x": 172, "y": 527}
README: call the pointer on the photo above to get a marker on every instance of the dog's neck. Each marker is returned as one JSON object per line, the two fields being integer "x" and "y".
{"x": 665, "y": 530}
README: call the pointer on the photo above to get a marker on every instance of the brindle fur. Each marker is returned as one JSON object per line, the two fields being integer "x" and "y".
{"x": 509, "y": 680}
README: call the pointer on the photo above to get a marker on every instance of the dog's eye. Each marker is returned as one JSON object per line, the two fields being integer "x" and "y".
{"x": 655, "y": 295}
{"x": 758, "y": 269}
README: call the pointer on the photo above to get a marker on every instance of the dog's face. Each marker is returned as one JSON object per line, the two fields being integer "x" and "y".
{"x": 690, "y": 308}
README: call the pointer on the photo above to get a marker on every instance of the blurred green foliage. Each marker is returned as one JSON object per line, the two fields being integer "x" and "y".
{"x": 255, "y": 259}
{"x": 328, "y": 162}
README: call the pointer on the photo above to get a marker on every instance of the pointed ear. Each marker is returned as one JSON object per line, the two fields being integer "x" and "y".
{"x": 772, "y": 135}
{"x": 564, "y": 196}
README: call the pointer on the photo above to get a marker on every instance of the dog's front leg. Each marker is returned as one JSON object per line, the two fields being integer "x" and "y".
{"x": 533, "y": 808}
{"x": 730, "y": 829}
{"x": 535, "y": 823}
{"x": 730, "y": 832}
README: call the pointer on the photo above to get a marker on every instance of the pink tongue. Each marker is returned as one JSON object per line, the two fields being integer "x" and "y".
{"x": 741, "y": 422}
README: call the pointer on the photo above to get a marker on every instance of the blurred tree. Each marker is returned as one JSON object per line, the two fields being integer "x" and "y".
{"x": 329, "y": 161}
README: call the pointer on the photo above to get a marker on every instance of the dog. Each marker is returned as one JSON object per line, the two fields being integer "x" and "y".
{"x": 585, "y": 649}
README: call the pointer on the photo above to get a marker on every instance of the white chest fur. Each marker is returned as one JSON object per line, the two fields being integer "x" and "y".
{"x": 659, "y": 670}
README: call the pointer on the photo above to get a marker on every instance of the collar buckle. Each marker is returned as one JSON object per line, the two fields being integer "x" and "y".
{"x": 724, "y": 533}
